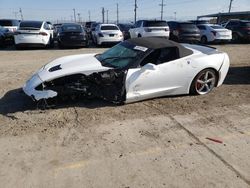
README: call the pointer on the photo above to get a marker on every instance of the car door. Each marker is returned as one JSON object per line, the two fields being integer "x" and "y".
{"x": 152, "y": 80}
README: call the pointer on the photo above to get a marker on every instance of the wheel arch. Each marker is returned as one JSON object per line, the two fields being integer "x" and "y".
{"x": 211, "y": 68}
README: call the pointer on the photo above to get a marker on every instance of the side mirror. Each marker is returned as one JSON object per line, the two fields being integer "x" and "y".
{"x": 149, "y": 66}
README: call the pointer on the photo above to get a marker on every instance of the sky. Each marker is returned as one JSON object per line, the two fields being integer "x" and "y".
{"x": 62, "y": 10}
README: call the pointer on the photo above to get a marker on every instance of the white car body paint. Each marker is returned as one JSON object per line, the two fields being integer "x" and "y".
{"x": 150, "y": 81}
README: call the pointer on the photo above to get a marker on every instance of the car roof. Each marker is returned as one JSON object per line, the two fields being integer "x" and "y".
{"x": 160, "y": 42}
{"x": 108, "y": 24}
{"x": 182, "y": 22}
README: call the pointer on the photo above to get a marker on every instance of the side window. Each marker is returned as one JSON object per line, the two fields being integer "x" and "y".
{"x": 45, "y": 26}
{"x": 167, "y": 54}
{"x": 138, "y": 24}
{"x": 201, "y": 27}
{"x": 151, "y": 58}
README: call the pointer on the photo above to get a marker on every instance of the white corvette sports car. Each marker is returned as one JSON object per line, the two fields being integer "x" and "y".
{"x": 133, "y": 70}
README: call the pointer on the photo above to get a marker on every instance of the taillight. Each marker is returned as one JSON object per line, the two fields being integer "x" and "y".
{"x": 214, "y": 33}
{"x": 100, "y": 35}
{"x": 166, "y": 29}
{"x": 43, "y": 34}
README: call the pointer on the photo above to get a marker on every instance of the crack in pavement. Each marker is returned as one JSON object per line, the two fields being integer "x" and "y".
{"x": 228, "y": 165}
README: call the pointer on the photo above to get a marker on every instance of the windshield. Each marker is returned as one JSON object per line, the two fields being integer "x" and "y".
{"x": 188, "y": 26}
{"x": 77, "y": 28}
{"x": 9, "y": 23}
{"x": 30, "y": 25}
{"x": 217, "y": 27}
{"x": 121, "y": 55}
{"x": 155, "y": 24}
{"x": 109, "y": 27}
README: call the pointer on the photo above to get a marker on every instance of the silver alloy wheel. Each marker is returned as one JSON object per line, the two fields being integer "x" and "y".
{"x": 205, "y": 82}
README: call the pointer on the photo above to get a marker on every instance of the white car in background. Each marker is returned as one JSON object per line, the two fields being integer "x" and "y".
{"x": 107, "y": 33}
{"x": 33, "y": 34}
{"x": 150, "y": 28}
{"x": 213, "y": 33}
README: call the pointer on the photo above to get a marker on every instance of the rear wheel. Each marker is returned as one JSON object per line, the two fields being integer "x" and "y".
{"x": 235, "y": 37}
{"x": 204, "y": 82}
{"x": 203, "y": 39}
{"x": 139, "y": 35}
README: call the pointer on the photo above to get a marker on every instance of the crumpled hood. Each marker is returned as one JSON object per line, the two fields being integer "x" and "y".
{"x": 74, "y": 64}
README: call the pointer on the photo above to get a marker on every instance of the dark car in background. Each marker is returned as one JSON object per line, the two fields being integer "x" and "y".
{"x": 72, "y": 35}
{"x": 240, "y": 30}
{"x": 6, "y": 37}
{"x": 184, "y": 32}
{"x": 125, "y": 30}
{"x": 199, "y": 22}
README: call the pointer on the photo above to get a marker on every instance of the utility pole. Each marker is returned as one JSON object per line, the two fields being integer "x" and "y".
{"x": 107, "y": 16}
{"x": 117, "y": 13}
{"x": 89, "y": 15}
{"x": 103, "y": 12}
{"x": 135, "y": 9}
{"x": 74, "y": 10}
{"x": 21, "y": 13}
{"x": 162, "y": 5}
{"x": 15, "y": 14}
{"x": 174, "y": 15}
{"x": 230, "y": 5}
{"x": 79, "y": 17}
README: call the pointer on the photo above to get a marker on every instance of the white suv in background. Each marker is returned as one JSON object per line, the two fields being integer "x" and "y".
{"x": 213, "y": 33}
{"x": 33, "y": 33}
{"x": 107, "y": 33}
{"x": 150, "y": 28}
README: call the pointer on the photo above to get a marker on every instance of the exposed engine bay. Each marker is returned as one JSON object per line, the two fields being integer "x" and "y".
{"x": 108, "y": 85}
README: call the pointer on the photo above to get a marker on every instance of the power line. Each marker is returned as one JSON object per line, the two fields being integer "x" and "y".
{"x": 103, "y": 12}
{"x": 74, "y": 10}
{"x": 89, "y": 15}
{"x": 107, "y": 11}
{"x": 135, "y": 9}
{"x": 117, "y": 13}
{"x": 79, "y": 17}
{"x": 230, "y": 5}
{"x": 21, "y": 13}
{"x": 162, "y": 5}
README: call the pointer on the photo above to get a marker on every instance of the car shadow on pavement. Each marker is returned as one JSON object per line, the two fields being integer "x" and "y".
{"x": 238, "y": 75}
{"x": 16, "y": 101}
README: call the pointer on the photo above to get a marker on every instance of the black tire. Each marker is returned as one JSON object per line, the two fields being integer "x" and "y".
{"x": 209, "y": 82}
{"x": 235, "y": 37}
{"x": 139, "y": 35}
{"x": 203, "y": 40}
{"x": 17, "y": 47}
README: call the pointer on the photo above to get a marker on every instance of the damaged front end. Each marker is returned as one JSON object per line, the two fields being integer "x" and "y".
{"x": 108, "y": 85}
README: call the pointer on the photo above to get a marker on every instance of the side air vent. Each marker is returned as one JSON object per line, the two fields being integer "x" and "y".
{"x": 55, "y": 68}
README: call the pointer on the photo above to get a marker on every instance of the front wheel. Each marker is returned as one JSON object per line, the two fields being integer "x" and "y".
{"x": 204, "y": 82}
{"x": 203, "y": 40}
